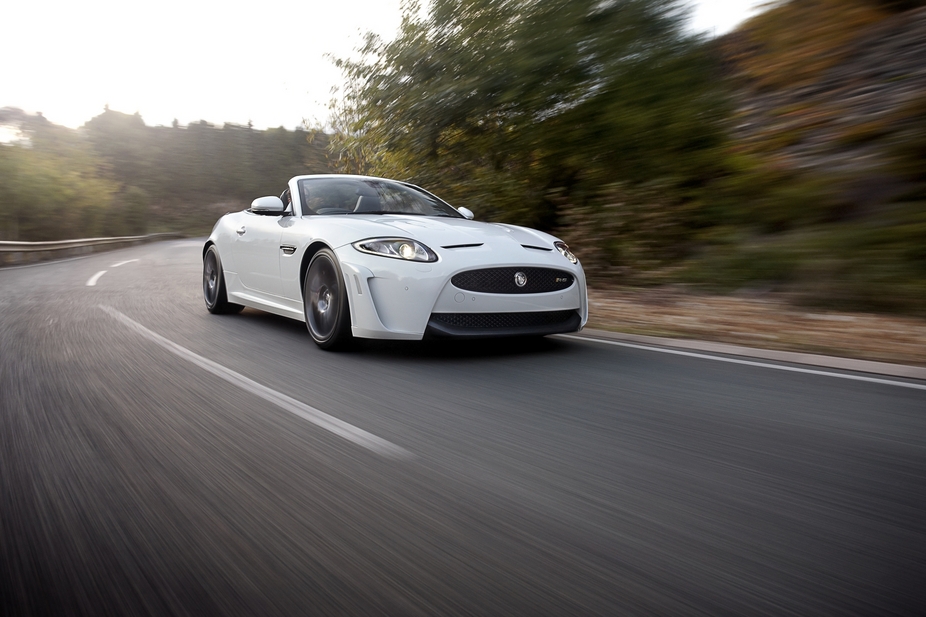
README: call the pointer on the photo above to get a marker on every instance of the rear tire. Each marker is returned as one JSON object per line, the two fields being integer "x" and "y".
{"x": 214, "y": 292}
{"x": 327, "y": 312}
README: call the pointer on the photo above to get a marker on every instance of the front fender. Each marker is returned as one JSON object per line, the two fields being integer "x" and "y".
{"x": 222, "y": 236}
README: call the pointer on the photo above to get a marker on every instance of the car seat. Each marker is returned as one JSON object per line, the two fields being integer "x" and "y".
{"x": 368, "y": 203}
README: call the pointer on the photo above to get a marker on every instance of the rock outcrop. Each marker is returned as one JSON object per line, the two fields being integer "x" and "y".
{"x": 845, "y": 123}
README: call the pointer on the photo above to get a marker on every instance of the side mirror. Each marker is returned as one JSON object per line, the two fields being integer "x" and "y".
{"x": 466, "y": 212}
{"x": 268, "y": 205}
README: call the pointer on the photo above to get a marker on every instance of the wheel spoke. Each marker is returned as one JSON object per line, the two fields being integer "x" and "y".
{"x": 210, "y": 279}
{"x": 323, "y": 296}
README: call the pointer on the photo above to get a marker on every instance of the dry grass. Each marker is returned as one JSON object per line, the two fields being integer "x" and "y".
{"x": 766, "y": 322}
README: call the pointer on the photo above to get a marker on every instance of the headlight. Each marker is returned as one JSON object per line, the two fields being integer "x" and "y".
{"x": 397, "y": 248}
{"x": 565, "y": 252}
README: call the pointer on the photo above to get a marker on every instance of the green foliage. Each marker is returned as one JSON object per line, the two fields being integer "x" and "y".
{"x": 628, "y": 233}
{"x": 497, "y": 104}
{"x": 118, "y": 176}
{"x": 878, "y": 270}
{"x": 129, "y": 214}
{"x": 757, "y": 265}
{"x": 908, "y": 146}
{"x": 604, "y": 122}
{"x": 51, "y": 187}
{"x": 875, "y": 263}
{"x": 201, "y": 162}
{"x": 754, "y": 192}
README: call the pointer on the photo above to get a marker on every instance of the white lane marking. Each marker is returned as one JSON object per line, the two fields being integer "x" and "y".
{"x": 93, "y": 279}
{"x": 122, "y": 263}
{"x": 777, "y": 367}
{"x": 319, "y": 418}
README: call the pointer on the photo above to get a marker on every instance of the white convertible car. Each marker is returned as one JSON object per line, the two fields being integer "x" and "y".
{"x": 376, "y": 258}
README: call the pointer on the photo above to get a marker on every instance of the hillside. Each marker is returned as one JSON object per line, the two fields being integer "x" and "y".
{"x": 828, "y": 133}
{"x": 786, "y": 158}
{"x": 838, "y": 96}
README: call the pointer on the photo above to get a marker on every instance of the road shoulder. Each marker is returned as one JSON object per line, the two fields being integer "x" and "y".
{"x": 833, "y": 362}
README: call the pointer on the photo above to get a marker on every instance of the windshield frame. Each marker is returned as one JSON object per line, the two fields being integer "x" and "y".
{"x": 347, "y": 195}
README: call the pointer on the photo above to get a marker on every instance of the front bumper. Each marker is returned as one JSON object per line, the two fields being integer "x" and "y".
{"x": 393, "y": 299}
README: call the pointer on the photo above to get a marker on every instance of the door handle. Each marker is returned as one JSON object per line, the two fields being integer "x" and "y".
{"x": 241, "y": 230}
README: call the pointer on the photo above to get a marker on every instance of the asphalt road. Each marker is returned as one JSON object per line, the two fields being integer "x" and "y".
{"x": 155, "y": 459}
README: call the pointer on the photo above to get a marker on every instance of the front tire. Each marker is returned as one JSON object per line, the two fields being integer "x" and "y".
{"x": 327, "y": 312}
{"x": 214, "y": 285}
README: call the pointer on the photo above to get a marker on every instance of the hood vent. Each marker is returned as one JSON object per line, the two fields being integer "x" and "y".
{"x": 462, "y": 246}
{"x": 536, "y": 248}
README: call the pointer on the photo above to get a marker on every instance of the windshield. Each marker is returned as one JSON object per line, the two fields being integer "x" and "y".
{"x": 368, "y": 196}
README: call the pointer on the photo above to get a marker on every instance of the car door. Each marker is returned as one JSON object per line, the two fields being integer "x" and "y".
{"x": 257, "y": 253}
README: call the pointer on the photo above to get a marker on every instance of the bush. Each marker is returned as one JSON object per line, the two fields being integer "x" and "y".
{"x": 135, "y": 211}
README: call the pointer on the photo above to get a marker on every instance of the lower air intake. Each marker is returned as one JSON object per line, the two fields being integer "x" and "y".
{"x": 478, "y": 325}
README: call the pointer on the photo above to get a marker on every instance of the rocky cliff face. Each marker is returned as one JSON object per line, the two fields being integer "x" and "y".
{"x": 847, "y": 123}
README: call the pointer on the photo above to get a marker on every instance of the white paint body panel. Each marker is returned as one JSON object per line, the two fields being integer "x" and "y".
{"x": 389, "y": 298}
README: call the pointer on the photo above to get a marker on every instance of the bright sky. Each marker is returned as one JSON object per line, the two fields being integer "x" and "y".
{"x": 202, "y": 59}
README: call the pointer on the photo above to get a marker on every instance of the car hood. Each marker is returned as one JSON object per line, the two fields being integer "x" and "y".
{"x": 440, "y": 232}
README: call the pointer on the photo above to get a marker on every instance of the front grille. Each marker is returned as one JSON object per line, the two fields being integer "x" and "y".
{"x": 502, "y": 280}
{"x": 503, "y": 320}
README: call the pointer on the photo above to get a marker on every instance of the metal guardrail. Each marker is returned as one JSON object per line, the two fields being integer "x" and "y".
{"x": 16, "y": 253}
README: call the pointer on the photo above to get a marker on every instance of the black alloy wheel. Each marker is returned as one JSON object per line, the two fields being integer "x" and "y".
{"x": 327, "y": 313}
{"x": 214, "y": 284}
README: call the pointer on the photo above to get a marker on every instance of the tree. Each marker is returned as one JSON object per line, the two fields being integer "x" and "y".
{"x": 498, "y": 103}
{"x": 117, "y": 176}
{"x": 51, "y": 185}
{"x": 123, "y": 141}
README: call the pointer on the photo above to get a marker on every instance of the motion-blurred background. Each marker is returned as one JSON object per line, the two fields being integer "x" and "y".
{"x": 784, "y": 155}
{"x": 756, "y": 178}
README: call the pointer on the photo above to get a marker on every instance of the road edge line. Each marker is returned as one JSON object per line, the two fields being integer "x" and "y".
{"x": 706, "y": 356}
{"x": 317, "y": 417}
{"x": 91, "y": 282}
{"x": 796, "y": 357}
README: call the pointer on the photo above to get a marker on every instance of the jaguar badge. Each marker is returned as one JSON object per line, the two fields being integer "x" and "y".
{"x": 520, "y": 279}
